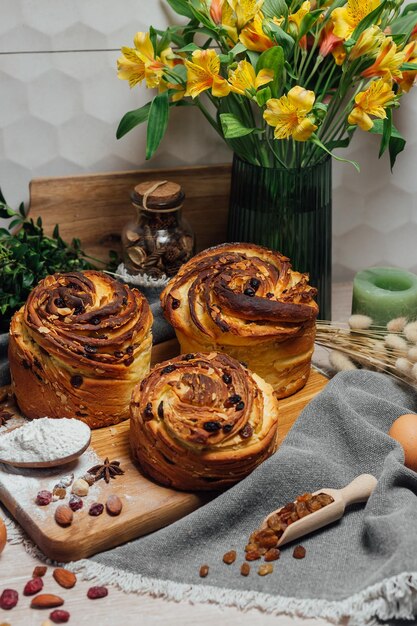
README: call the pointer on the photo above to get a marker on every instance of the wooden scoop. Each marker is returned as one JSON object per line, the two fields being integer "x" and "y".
{"x": 358, "y": 490}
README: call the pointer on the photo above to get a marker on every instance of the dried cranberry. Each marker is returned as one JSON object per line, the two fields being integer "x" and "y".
{"x": 129, "y": 350}
{"x": 254, "y": 283}
{"x": 227, "y": 428}
{"x": 96, "y": 509}
{"x": 124, "y": 301}
{"x": 97, "y": 592}
{"x": 175, "y": 303}
{"x": 90, "y": 349}
{"x": 227, "y": 379}
{"x": 118, "y": 354}
{"x": 129, "y": 361}
{"x": 8, "y": 599}
{"x": 95, "y": 321}
{"x": 161, "y": 410}
{"x": 269, "y": 295}
{"x": 240, "y": 406}
{"x": 188, "y": 357}
{"x": 148, "y": 413}
{"x": 76, "y": 381}
{"x": 168, "y": 369}
{"x": 246, "y": 432}
{"x": 59, "y": 616}
{"x": 44, "y": 497}
{"x": 78, "y": 310}
{"x": 249, "y": 292}
{"x": 212, "y": 427}
{"x": 59, "y": 302}
{"x": 33, "y": 586}
{"x": 75, "y": 503}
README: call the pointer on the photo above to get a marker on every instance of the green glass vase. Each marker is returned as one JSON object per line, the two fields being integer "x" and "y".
{"x": 288, "y": 210}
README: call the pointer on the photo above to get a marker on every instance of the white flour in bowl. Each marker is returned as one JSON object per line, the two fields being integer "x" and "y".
{"x": 44, "y": 440}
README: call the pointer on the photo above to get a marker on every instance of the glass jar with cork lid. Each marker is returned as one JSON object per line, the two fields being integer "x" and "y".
{"x": 161, "y": 239}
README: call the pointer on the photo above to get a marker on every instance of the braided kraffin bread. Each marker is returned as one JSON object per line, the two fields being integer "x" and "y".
{"x": 202, "y": 422}
{"x": 247, "y": 301}
{"x": 78, "y": 347}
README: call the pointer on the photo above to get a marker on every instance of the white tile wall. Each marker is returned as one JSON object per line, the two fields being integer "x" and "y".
{"x": 61, "y": 103}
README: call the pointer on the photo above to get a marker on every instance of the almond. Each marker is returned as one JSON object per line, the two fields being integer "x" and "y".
{"x": 114, "y": 505}
{"x": 64, "y": 577}
{"x": 46, "y": 601}
{"x": 63, "y": 515}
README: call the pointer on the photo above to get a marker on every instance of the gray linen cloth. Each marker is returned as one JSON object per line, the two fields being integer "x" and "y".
{"x": 364, "y": 566}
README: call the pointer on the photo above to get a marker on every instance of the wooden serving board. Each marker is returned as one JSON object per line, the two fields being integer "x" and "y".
{"x": 146, "y": 505}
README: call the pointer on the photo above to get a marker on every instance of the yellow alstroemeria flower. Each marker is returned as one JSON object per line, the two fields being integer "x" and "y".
{"x": 409, "y": 76}
{"x": 244, "y": 78}
{"x": 371, "y": 102}
{"x": 253, "y": 36}
{"x": 368, "y": 43}
{"x": 297, "y": 17}
{"x": 346, "y": 19}
{"x": 140, "y": 62}
{"x": 388, "y": 62}
{"x": 203, "y": 73}
{"x": 289, "y": 114}
{"x": 245, "y": 10}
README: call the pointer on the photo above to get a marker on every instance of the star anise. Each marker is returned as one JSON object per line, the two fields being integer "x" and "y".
{"x": 106, "y": 470}
{"x": 4, "y": 417}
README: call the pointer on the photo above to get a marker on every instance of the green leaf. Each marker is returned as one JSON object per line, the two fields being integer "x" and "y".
{"x": 275, "y": 8}
{"x": 386, "y": 133}
{"x": 153, "y": 37}
{"x": 273, "y": 59}
{"x": 411, "y": 67}
{"x": 190, "y": 47}
{"x": 233, "y": 127}
{"x": 406, "y": 22}
{"x": 411, "y": 8}
{"x": 238, "y": 49}
{"x": 396, "y": 142}
{"x": 2, "y": 198}
{"x": 308, "y": 21}
{"x": 263, "y": 96}
{"x": 181, "y": 72}
{"x": 280, "y": 36}
{"x": 253, "y": 57}
{"x": 181, "y": 7}
{"x": 132, "y": 119}
{"x": 157, "y": 123}
{"x": 321, "y": 145}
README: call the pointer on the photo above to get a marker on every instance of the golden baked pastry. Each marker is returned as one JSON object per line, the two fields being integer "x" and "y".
{"x": 78, "y": 347}
{"x": 247, "y": 301}
{"x": 202, "y": 422}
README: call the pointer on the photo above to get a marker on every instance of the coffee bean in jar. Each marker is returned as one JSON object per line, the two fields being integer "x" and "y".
{"x": 160, "y": 240}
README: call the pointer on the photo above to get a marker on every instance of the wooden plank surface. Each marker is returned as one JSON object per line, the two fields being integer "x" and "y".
{"x": 95, "y": 207}
{"x": 146, "y": 505}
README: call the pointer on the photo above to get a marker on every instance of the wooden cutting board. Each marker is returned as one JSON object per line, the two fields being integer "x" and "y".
{"x": 146, "y": 505}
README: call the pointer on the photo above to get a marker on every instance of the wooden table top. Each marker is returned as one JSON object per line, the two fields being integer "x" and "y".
{"x": 16, "y": 567}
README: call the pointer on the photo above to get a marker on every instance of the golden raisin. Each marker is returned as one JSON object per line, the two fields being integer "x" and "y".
{"x": 204, "y": 570}
{"x": 229, "y": 557}
{"x": 253, "y": 555}
{"x": 272, "y": 555}
{"x": 245, "y": 569}
{"x": 299, "y": 552}
{"x": 265, "y": 569}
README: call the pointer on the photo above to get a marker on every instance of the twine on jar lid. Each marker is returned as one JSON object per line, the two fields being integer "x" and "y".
{"x": 170, "y": 198}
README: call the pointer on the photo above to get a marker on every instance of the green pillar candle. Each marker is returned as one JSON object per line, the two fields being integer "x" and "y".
{"x": 384, "y": 293}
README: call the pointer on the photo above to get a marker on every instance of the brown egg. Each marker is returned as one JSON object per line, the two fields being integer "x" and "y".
{"x": 404, "y": 430}
{"x": 3, "y": 535}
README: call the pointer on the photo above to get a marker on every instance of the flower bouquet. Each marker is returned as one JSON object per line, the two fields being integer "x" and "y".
{"x": 284, "y": 83}
{"x": 281, "y": 81}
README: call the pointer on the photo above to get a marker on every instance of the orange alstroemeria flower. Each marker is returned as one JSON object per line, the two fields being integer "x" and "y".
{"x": 409, "y": 77}
{"x": 329, "y": 43}
{"x": 253, "y": 36}
{"x": 203, "y": 73}
{"x": 388, "y": 62}
{"x": 216, "y": 11}
{"x": 371, "y": 102}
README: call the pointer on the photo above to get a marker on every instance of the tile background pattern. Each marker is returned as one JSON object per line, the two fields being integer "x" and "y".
{"x": 61, "y": 102}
